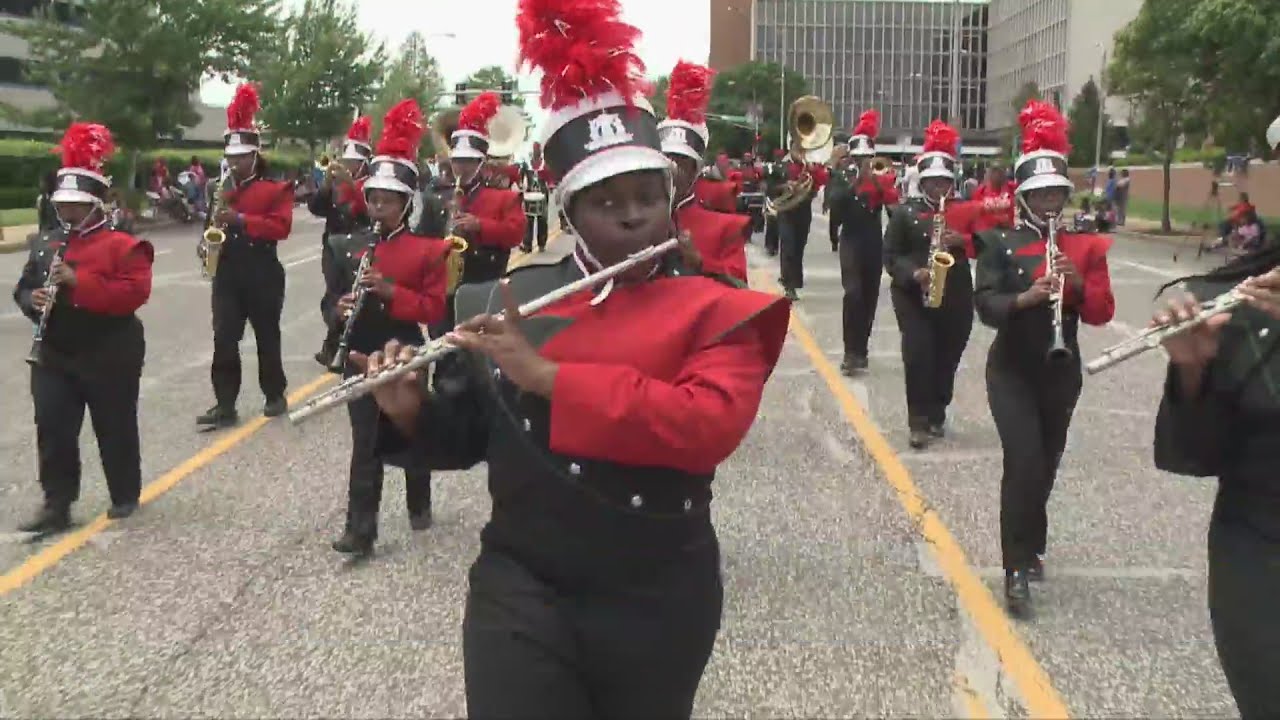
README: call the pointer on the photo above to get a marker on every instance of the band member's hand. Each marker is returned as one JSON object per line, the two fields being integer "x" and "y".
{"x": 1038, "y": 293}
{"x": 466, "y": 223}
{"x": 39, "y": 298}
{"x": 1195, "y": 347}
{"x": 688, "y": 252}
{"x": 1063, "y": 264}
{"x": 952, "y": 239}
{"x": 226, "y": 216}
{"x": 501, "y": 340}
{"x": 400, "y": 400}
{"x": 63, "y": 274}
{"x": 346, "y": 304}
{"x": 1263, "y": 292}
{"x": 921, "y": 276}
{"x": 380, "y": 286}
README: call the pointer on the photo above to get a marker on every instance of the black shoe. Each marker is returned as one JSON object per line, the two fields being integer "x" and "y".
{"x": 121, "y": 511}
{"x": 919, "y": 439}
{"x": 835, "y": 247}
{"x": 1017, "y": 594}
{"x": 526, "y": 248}
{"x": 421, "y": 520}
{"x": 1035, "y": 573}
{"x": 853, "y": 363}
{"x": 322, "y": 357}
{"x": 352, "y": 544}
{"x": 790, "y": 294}
{"x": 219, "y": 416}
{"x": 937, "y": 430}
{"x": 47, "y": 521}
{"x": 275, "y": 407}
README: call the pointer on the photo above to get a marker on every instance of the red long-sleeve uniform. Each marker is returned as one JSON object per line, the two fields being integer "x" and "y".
{"x": 416, "y": 265}
{"x": 501, "y": 216}
{"x": 1094, "y": 302}
{"x": 113, "y": 272}
{"x": 715, "y": 195}
{"x": 721, "y": 238}
{"x": 265, "y": 208}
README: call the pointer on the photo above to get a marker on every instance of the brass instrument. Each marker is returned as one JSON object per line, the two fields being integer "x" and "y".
{"x": 51, "y": 288}
{"x": 361, "y": 385}
{"x": 507, "y": 131}
{"x": 1058, "y": 350}
{"x": 337, "y": 172}
{"x": 1154, "y": 337}
{"x": 214, "y": 237}
{"x": 455, "y": 262}
{"x": 339, "y": 362}
{"x": 881, "y": 166}
{"x": 443, "y": 125}
{"x": 940, "y": 261}
{"x": 811, "y": 124}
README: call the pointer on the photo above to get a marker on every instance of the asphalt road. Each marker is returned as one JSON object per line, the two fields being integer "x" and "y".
{"x": 221, "y": 596}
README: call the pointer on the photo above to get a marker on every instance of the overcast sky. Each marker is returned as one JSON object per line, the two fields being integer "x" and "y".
{"x": 485, "y": 34}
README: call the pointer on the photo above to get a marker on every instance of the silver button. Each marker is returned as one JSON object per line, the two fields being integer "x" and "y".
{"x": 636, "y": 501}
{"x": 688, "y": 504}
{"x": 1264, "y": 332}
{"x": 497, "y": 373}
{"x": 1007, "y": 251}
{"x": 575, "y": 469}
{"x": 1021, "y": 271}
{"x": 527, "y": 425}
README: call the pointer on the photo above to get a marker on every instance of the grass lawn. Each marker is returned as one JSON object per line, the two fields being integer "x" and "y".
{"x": 20, "y": 216}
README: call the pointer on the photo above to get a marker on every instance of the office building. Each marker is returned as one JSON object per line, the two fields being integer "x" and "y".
{"x": 892, "y": 55}
{"x": 1057, "y": 44}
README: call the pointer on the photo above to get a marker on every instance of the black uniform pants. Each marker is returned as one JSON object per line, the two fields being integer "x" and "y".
{"x": 771, "y": 235}
{"x": 1244, "y": 581}
{"x": 326, "y": 262}
{"x": 364, "y": 490}
{"x": 529, "y": 234}
{"x": 60, "y": 399}
{"x": 252, "y": 290}
{"x": 933, "y": 341}
{"x": 861, "y": 265}
{"x": 835, "y": 220}
{"x": 1032, "y": 408}
{"x": 533, "y": 651}
{"x": 793, "y": 234}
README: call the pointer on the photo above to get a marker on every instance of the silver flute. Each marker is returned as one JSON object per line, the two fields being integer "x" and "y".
{"x": 1154, "y": 337}
{"x": 358, "y": 386}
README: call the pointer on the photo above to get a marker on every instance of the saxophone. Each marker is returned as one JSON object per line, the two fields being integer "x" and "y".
{"x": 214, "y": 237}
{"x": 454, "y": 261}
{"x": 940, "y": 261}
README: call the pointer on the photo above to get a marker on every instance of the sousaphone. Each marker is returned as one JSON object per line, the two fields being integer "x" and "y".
{"x": 507, "y": 131}
{"x": 812, "y": 129}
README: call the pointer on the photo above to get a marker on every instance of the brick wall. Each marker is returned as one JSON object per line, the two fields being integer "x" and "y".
{"x": 730, "y": 33}
{"x": 1190, "y": 186}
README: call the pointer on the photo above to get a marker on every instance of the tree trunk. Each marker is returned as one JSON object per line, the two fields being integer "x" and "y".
{"x": 1169, "y": 141}
{"x": 133, "y": 168}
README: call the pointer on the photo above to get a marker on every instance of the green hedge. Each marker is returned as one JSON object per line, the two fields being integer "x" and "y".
{"x": 1213, "y": 158}
{"x": 24, "y": 162}
{"x": 12, "y": 198}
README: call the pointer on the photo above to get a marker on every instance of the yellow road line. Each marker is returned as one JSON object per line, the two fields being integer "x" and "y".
{"x": 974, "y": 707}
{"x": 524, "y": 257}
{"x": 67, "y": 544}
{"x": 1032, "y": 682}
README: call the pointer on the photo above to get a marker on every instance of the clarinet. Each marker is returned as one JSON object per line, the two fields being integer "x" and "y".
{"x": 1058, "y": 350}
{"x": 51, "y": 288}
{"x": 361, "y": 294}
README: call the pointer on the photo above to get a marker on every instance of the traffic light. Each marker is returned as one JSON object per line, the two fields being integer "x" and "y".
{"x": 460, "y": 96}
{"x": 509, "y": 89}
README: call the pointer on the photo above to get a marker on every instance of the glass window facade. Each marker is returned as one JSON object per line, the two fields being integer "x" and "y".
{"x": 892, "y": 55}
{"x": 1028, "y": 43}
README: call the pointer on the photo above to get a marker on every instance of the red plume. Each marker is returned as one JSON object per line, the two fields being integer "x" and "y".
{"x": 244, "y": 106}
{"x": 1043, "y": 128}
{"x": 941, "y": 137}
{"x": 582, "y": 48}
{"x": 361, "y": 130}
{"x": 868, "y": 124}
{"x": 401, "y": 130}
{"x": 86, "y": 146}
{"x": 689, "y": 92}
{"x": 477, "y": 114}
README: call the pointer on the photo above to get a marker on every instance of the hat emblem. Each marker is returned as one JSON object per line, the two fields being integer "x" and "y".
{"x": 607, "y": 130}
{"x": 676, "y": 135}
{"x": 1044, "y": 166}
{"x": 938, "y": 164}
{"x": 235, "y": 139}
{"x": 69, "y": 182}
{"x": 464, "y": 143}
{"x": 386, "y": 170}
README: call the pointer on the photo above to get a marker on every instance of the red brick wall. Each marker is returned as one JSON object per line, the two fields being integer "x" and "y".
{"x": 730, "y": 33}
{"x": 1190, "y": 185}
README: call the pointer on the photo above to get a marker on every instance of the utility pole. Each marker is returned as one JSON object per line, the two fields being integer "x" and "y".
{"x": 1102, "y": 109}
{"x": 782, "y": 92}
{"x": 954, "y": 113}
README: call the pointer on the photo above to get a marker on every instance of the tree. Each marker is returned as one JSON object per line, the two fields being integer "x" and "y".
{"x": 1156, "y": 67}
{"x": 413, "y": 74}
{"x": 1083, "y": 118}
{"x": 734, "y": 92}
{"x": 147, "y": 60}
{"x": 316, "y": 71}
{"x": 1240, "y": 67}
{"x": 493, "y": 78}
{"x": 1013, "y": 135}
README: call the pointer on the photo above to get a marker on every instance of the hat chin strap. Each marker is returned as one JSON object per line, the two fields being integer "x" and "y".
{"x": 85, "y": 227}
{"x": 588, "y": 263}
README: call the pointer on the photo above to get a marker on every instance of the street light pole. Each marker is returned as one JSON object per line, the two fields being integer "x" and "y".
{"x": 782, "y": 91}
{"x": 1102, "y": 105}
{"x": 954, "y": 113}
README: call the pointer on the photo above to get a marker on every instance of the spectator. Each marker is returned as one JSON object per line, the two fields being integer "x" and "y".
{"x": 1122, "y": 197}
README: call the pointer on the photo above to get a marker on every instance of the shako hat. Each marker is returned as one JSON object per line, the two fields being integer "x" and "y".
{"x": 684, "y": 132}
{"x": 85, "y": 148}
{"x": 395, "y": 167}
{"x": 359, "y": 136}
{"x": 863, "y": 141}
{"x": 471, "y": 139}
{"x": 1043, "y": 162}
{"x": 242, "y": 135}
{"x": 938, "y": 158}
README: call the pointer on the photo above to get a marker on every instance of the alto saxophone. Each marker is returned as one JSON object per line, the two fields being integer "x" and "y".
{"x": 214, "y": 237}
{"x": 339, "y": 362}
{"x": 455, "y": 263}
{"x": 940, "y": 261}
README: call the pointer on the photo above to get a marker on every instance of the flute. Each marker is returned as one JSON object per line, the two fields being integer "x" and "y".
{"x": 1152, "y": 338}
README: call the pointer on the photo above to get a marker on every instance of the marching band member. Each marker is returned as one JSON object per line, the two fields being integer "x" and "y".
{"x": 715, "y": 192}
{"x": 933, "y": 339}
{"x": 1033, "y": 394}
{"x": 88, "y": 281}
{"x": 1218, "y": 418}
{"x": 340, "y": 201}
{"x": 793, "y": 233}
{"x": 862, "y": 242}
{"x": 249, "y": 285}
{"x": 405, "y": 283}
{"x": 491, "y": 219}
{"x": 597, "y": 591}
{"x": 533, "y": 179}
{"x": 720, "y": 238}
{"x": 996, "y": 192}
{"x": 775, "y": 179}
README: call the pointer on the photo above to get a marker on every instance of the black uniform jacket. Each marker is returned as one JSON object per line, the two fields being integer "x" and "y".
{"x": 1232, "y": 428}
{"x": 610, "y": 480}
{"x": 907, "y": 240}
